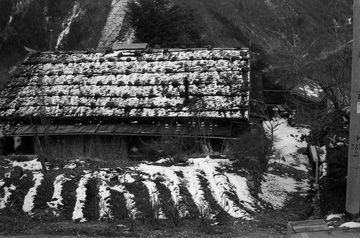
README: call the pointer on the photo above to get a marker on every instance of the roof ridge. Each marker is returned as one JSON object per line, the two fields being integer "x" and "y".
{"x": 109, "y": 51}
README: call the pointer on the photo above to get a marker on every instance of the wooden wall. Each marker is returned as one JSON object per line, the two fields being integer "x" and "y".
{"x": 90, "y": 146}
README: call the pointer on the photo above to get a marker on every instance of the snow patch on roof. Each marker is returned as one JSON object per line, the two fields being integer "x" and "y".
{"x": 334, "y": 216}
{"x": 126, "y": 84}
{"x": 311, "y": 91}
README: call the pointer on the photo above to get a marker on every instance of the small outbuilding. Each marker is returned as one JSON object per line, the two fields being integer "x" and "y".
{"x": 103, "y": 104}
{"x": 309, "y": 101}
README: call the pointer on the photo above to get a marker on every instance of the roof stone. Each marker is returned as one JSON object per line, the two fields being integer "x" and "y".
{"x": 130, "y": 83}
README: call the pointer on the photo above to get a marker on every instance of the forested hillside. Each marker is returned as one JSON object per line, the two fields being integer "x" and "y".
{"x": 289, "y": 34}
{"x": 63, "y": 24}
{"x": 295, "y": 39}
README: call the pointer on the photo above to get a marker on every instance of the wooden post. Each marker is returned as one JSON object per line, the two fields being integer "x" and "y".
{"x": 50, "y": 40}
{"x": 353, "y": 176}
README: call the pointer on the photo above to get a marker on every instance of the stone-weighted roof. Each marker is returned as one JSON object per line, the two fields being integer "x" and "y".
{"x": 130, "y": 83}
{"x": 309, "y": 90}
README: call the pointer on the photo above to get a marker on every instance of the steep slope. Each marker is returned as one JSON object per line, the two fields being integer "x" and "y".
{"x": 288, "y": 33}
{"x": 73, "y": 24}
{"x": 66, "y": 25}
{"x": 114, "y": 23}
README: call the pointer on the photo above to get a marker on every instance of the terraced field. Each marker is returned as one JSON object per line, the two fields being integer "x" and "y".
{"x": 205, "y": 188}
{"x": 147, "y": 190}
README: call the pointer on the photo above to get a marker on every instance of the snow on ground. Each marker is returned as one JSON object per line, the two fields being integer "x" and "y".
{"x": 104, "y": 193}
{"x": 350, "y": 225}
{"x": 275, "y": 188}
{"x": 287, "y": 142}
{"x": 162, "y": 161}
{"x": 57, "y": 199}
{"x": 323, "y": 165}
{"x": 172, "y": 181}
{"x": 193, "y": 184}
{"x": 229, "y": 190}
{"x": 219, "y": 185}
{"x": 127, "y": 177}
{"x": 78, "y": 214}
{"x": 154, "y": 198}
{"x": 130, "y": 202}
{"x": 7, "y": 193}
{"x": 29, "y": 198}
{"x": 242, "y": 190}
{"x": 33, "y": 165}
{"x": 70, "y": 166}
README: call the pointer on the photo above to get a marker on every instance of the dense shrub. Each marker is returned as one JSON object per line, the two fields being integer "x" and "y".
{"x": 250, "y": 150}
{"x": 171, "y": 146}
{"x": 250, "y": 153}
{"x": 160, "y": 22}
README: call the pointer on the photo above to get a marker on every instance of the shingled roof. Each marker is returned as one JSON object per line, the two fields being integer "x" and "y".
{"x": 129, "y": 84}
{"x": 309, "y": 90}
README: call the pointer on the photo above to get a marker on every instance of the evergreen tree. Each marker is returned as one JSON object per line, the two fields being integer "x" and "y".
{"x": 160, "y": 22}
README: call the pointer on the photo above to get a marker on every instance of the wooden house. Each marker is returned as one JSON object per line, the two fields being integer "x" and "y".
{"x": 99, "y": 104}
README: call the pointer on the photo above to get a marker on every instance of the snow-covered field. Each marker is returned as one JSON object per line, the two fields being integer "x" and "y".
{"x": 287, "y": 142}
{"x": 229, "y": 190}
{"x": 205, "y": 181}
